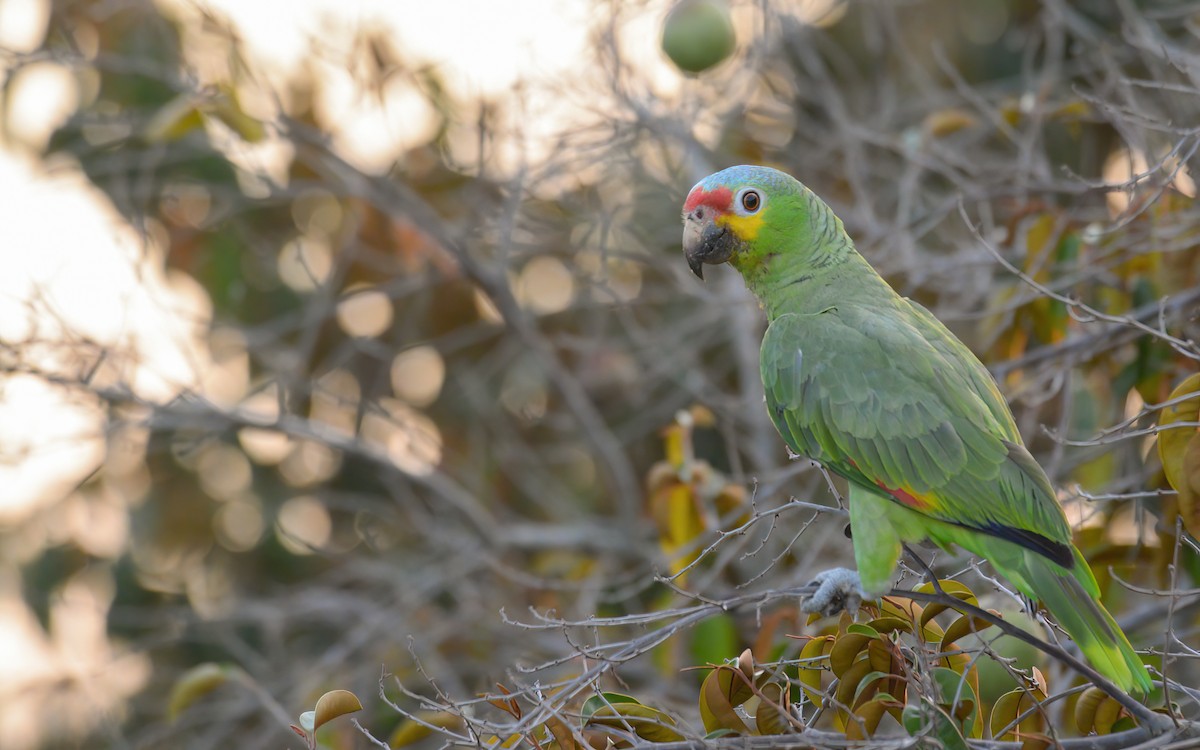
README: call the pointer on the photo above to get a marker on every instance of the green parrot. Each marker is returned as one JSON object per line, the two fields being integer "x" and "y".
{"x": 874, "y": 388}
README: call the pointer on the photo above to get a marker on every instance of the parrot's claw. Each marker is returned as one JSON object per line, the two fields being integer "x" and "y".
{"x": 834, "y": 590}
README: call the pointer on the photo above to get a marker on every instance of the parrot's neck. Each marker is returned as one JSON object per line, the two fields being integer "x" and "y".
{"x": 820, "y": 272}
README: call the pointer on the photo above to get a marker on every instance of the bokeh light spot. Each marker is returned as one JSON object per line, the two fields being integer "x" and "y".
{"x": 264, "y": 447}
{"x": 309, "y": 463}
{"x": 99, "y": 523}
{"x": 305, "y": 263}
{"x": 303, "y": 525}
{"x": 41, "y": 96}
{"x": 317, "y": 210}
{"x": 545, "y": 286}
{"x": 365, "y": 313}
{"x": 418, "y": 374}
{"x": 185, "y": 204}
{"x": 238, "y": 525}
{"x": 410, "y": 439}
{"x": 224, "y": 471}
{"x": 23, "y": 24}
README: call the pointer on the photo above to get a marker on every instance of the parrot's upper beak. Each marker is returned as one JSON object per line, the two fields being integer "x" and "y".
{"x": 704, "y": 241}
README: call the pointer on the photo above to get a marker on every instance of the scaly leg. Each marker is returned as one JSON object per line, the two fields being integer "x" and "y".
{"x": 876, "y": 552}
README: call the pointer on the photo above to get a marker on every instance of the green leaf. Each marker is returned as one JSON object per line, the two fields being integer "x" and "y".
{"x": 603, "y": 700}
{"x": 717, "y": 734}
{"x": 957, "y": 696}
{"x": 932, "y": 720}
{"x": 867, "y": 681}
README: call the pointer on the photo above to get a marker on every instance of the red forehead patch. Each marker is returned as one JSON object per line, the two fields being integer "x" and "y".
{"x": 719, "y": 199}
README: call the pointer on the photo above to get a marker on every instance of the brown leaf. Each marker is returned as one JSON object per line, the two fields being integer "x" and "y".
{"x": 809, "y": 668}
{"x": 1097, "y": 711}
{"x": 954, "y": 589}
{"x": 1179, "y": 449}
{"x": 723, "y": 689}
{"x": 775, "y": 701}
{"x": 849, "y": 683}
{"x": 946, "y": 121}
{"x": 963, "y": 626}
{"x": 1011, "y": 705}
{"x": 422, "y": 725}
{"x": 890, "y": 623}
{"x": 646, "y": 722}
{"x": 848, "y": 647}
{"x": 333, "y": 704}
{"x": 194, "y": 684}
{"x": 869, "y": 714}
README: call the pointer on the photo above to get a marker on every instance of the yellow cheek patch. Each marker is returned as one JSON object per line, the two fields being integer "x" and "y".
{"x": 745, "y": 227}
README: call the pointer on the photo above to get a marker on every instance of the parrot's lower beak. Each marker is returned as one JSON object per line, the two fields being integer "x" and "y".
{"x": 705, "y": 242}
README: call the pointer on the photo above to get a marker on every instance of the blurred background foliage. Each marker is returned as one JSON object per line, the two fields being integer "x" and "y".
{"x": 434, "y": 355}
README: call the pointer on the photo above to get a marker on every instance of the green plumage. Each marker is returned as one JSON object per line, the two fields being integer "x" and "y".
{"x": 873, "y": 387}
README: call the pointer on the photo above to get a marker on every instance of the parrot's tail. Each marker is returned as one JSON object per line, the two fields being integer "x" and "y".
{"x": 1087, "y": 621}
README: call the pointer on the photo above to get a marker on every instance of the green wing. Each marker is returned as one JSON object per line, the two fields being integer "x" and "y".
{"x": 890, "y": 399}
{"x": 970, "y": 368}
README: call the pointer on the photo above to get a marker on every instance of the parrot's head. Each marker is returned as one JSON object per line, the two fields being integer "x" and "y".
{"x": 740, "y": 215}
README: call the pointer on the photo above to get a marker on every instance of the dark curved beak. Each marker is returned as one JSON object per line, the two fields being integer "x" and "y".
{"x": 704, "y": 241}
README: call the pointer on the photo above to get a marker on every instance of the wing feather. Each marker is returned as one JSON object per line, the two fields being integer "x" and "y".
{"x": 879, "y": 399}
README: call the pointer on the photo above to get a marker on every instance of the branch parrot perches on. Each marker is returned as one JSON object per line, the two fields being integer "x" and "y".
{"x": 874, "y": 388}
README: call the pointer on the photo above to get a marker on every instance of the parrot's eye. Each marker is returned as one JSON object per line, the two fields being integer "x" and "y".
{"x": 751, "y": 201}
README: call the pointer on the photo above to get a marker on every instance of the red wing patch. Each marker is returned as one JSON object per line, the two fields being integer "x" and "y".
{"x": 906, "y": 498}
{"x": 719, "y": 199}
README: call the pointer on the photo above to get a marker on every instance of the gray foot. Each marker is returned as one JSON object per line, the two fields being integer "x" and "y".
{"x": 837, "y": 589}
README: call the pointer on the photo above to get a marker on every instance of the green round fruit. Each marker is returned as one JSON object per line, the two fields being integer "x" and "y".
{"x": 698, "y": 34}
